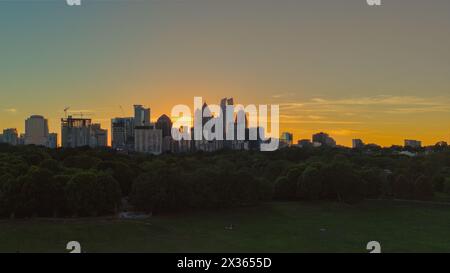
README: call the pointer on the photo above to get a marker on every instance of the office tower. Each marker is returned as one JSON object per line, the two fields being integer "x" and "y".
{"x": 148, "y": 140}
{"x": 10, "y": 136}
{"x": 323, "y": 140}
{"x": 287, "y": 138}
{"x": 165, "y": 124}
{"x": 99, "y": 136}
{"x": 36, "y": 131}
{"x": 413, "y": 143}
{"x": 141, "y": 116}
{"x": 357, "y": 144}
{"x": 52, "y": 141}
{"x": 122, "y": 133}
{"x": 227, "y": 124}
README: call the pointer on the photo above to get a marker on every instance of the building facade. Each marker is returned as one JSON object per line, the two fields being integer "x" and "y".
{"x": 122, "y": 133}
{"x": 148, "y": 140}
{"x": 36, "y": 131}
{"x": 10, "y": 136}
{"x": 141, "y": 116}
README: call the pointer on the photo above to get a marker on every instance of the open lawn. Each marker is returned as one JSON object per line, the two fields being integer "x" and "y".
{"x": 271, "y": 227}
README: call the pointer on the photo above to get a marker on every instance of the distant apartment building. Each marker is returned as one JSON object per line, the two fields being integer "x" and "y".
{"x": 10, "y": 136}
{"x": 141, "y": 116}
{"x": 227, "y": 124}
{"x": 286, "y": 139}
{"x": 122, "y": 133}
{"x": 323, "y": 139}
{"x": 79, "y": 132}
{"x": 52, "y": 141}
{"x": 99, "y": 136}
{"x": 357, "y": 144}
{"x": 148, "y": 139}
{"x": 165, "y": 125}
{"x": 36, "y": 131}
{"x": 413, "y": 143}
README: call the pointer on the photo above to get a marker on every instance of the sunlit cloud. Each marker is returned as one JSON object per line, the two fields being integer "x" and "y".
{"x": 10, "y": 110}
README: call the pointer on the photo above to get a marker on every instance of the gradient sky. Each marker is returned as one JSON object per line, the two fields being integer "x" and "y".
{"x": 377, "y": 73}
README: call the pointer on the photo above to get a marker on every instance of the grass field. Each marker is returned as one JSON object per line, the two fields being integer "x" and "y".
{"x": 271, "y": 227}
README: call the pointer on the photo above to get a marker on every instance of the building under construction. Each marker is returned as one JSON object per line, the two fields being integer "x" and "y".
{"x": 80, "y": 132}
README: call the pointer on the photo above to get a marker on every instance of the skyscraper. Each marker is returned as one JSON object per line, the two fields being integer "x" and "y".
{"x": 122, "y": 133}
{"x": 36, "y": 131}
{"x": 165, "y": 124}
{"x": 141, "y": 116}
{"x": 227, "y": 124}
{"x": 10, "y": 136}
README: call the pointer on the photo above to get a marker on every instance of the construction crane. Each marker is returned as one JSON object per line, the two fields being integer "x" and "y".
{"x": 65, "y": 110}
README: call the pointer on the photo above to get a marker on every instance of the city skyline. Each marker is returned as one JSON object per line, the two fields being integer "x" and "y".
{"x": 142, "y": 118}
{"x": 356, "y": 72}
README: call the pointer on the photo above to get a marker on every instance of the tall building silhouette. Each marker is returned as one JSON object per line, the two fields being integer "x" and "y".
{"x": 36, "y": 131}
{"x": 122, "y": 133}
{"x": 141, "y": 116}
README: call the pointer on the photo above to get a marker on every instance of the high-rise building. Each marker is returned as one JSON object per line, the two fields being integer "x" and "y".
{"x": 79, "y": 132}
{"x": 413, "y": 143}
{"x": 141, "y": 116}
{"x": 323, "y": 139}
{"x": 99, "y": 136}
{"x": 122, "y": 133}
{"x": 227, "y": 124}
{"x": 165, "y": 124}
{"x": 36, "y": 131}
{"x": 10, "y": 136}
{"x": 357, "y": 144}
{"x": 52, "y": 141}
{"x": 287, "y": 138}
{"x": 148, "y": 140}
{"x": 75, "y": 132}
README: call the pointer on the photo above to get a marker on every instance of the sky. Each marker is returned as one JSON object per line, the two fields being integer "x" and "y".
{"x": 381, "y": 74}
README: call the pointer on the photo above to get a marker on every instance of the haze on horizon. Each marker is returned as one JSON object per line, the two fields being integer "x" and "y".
{"x": 381, "y": 74}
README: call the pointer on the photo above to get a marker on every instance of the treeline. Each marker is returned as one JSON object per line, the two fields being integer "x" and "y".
{"x": 35, "y": 181}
